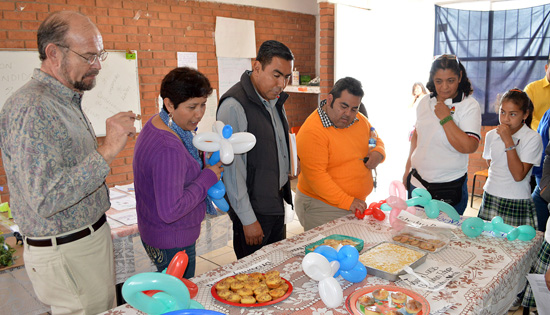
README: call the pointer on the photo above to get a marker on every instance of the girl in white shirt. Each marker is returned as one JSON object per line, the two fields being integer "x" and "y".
{"x": 511, "y": 150}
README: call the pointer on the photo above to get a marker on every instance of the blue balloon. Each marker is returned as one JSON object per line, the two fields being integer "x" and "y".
{"x": 217, "y": 191}
{"x": 348, "y": 256}
{"x": 227, "y": 131}
{"x": 221, "y": 204}
{"x": 214, "y": 158}
{"x": 356, "y": 274}
{"x": 328, "y": 252}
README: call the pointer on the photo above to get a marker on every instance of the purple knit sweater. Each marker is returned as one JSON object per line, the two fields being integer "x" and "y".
{"x": 170, "y": 189}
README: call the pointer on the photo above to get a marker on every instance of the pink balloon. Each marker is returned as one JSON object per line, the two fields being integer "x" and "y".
{"x": 397, "y": 189}
{"x": 396, "y": 203}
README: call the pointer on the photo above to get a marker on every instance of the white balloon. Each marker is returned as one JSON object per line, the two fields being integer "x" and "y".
{"x": 331, "y": 292}
{"x": 242, "y": 142}
{"x": 207, "y": 141}
{"x": 226, "y": 151}
{"x": 316, "y": 266}
{"x": 334, "y": 265}
{"x": 217, "y": 127}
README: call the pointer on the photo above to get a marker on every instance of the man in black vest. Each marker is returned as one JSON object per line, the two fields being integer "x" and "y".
{"x": 257, "y": 182}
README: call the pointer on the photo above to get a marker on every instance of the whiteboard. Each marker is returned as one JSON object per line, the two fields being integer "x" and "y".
{"x": 116, "y": 90}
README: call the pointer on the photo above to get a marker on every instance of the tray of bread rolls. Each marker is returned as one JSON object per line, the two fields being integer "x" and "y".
{"x": 252, "y": 290}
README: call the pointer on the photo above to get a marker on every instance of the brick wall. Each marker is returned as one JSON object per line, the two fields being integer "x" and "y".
{"x": 157, "y": 30}
{"x": 326, "y": 39}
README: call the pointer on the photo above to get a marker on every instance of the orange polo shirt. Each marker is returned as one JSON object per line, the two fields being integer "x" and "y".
{"x": 331, "y": 163}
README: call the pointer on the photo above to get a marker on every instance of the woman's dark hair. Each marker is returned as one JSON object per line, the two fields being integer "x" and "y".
{"x": 184, "y": 83}
{"x": 521, "y": 99}
{"x": 451, "y": 62}
{"x": 273, "y": 48}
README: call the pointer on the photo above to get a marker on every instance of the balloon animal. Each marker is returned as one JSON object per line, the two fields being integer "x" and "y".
{"x": 176, "y": 268}
{"x": 473, "y": 227}
{"x": 224, "y": 144}
{"x": 420, "y": 197}
{"x": 373, "y": 210}
{"x": 325, "y": 263}
{"x": 173, "y": 293}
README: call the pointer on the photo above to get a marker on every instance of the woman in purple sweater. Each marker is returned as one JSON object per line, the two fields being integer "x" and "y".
{"x": 171, "y": 183}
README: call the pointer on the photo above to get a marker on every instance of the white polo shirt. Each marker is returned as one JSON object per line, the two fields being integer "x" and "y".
{"x": 501, "y": 183}
{"x": 434, "y": 158}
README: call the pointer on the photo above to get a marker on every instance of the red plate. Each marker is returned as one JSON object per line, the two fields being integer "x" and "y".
{"x": 217, "y": 297}
{"x": 355, "y": 309}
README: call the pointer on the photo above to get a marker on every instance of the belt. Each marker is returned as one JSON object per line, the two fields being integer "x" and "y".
{"x": 67, "y": 238}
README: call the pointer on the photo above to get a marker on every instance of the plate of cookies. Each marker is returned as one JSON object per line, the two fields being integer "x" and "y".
{"x": 386, "y": 300}
{"x": 252, "y": 290}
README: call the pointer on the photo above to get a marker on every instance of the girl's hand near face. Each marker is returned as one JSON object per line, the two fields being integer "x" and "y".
{"x": 505, "y": 134}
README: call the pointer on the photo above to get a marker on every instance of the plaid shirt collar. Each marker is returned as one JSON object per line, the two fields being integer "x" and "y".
{"x": 324, "y": 117}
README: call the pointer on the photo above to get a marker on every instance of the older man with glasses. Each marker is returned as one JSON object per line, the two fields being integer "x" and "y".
{"x": 56, "y": 171}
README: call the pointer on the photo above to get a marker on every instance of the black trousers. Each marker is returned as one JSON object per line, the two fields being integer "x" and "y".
{"x": 274, "y": 230}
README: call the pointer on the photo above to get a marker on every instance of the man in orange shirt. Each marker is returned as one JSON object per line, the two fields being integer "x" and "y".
{"x": 332, "y": 144}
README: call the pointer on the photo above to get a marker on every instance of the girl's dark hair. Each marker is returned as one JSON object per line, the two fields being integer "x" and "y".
{"x": 519, "y": 98}
{"x": 451, "y": 62}
{"x": 184, "y": 83}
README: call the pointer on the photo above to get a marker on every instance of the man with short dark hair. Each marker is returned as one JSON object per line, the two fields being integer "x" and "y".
{"x": 332, "y": 143}
{"x": 56, "y": 171}
{"x": 257, "y": 182}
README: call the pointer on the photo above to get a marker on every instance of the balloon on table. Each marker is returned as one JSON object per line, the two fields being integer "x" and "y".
{"x": 176, "y": 268}
{"x": 173, "y": 293}
{"x": 224, "y": 144}
{"x": 473, "y": 227}
{"x": 325, "y": 263}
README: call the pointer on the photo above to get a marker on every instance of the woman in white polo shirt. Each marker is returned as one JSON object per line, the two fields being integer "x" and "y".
{"x": 447, "y": 130}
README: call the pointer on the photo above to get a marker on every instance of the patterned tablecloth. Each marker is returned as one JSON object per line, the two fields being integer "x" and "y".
{"x": 494, "y": 271}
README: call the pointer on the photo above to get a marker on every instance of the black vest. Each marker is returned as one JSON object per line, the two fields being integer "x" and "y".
{"x": 262, "y": 168}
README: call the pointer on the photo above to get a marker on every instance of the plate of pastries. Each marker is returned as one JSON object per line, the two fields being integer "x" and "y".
{"x": 252, "y": 289}
{"x": 386, "y": 300}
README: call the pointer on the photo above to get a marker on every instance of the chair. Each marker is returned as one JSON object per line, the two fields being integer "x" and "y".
{"x": 483, "y": 173}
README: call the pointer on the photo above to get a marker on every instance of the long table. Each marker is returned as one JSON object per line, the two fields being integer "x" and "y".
{"x": 494, "y": 271}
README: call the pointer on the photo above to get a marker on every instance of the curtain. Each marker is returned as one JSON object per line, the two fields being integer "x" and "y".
{"x": 500, "y": 50}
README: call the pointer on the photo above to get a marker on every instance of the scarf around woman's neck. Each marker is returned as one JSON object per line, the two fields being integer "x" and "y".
{"x": 186, "y": 137}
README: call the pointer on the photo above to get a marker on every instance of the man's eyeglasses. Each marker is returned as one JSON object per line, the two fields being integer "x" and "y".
{"x": 92, "y": 58}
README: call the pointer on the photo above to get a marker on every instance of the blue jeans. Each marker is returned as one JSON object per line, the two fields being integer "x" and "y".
{"x": 162, "y": 257}
{"x": 460, "y": 207}
{"x": 542, "y": 208}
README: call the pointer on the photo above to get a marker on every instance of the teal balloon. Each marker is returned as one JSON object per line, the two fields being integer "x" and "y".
{"x": 432, "y": 210}
{"x": 513, "y": 235}
{"x": 472, "y": 227}
{"x": 449, "y": 210}
{"x": 355, "y": 274}
{"x": 526, "y": 232}
{"x": 385, "y": 207}
{"x": 174, "y": 295}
